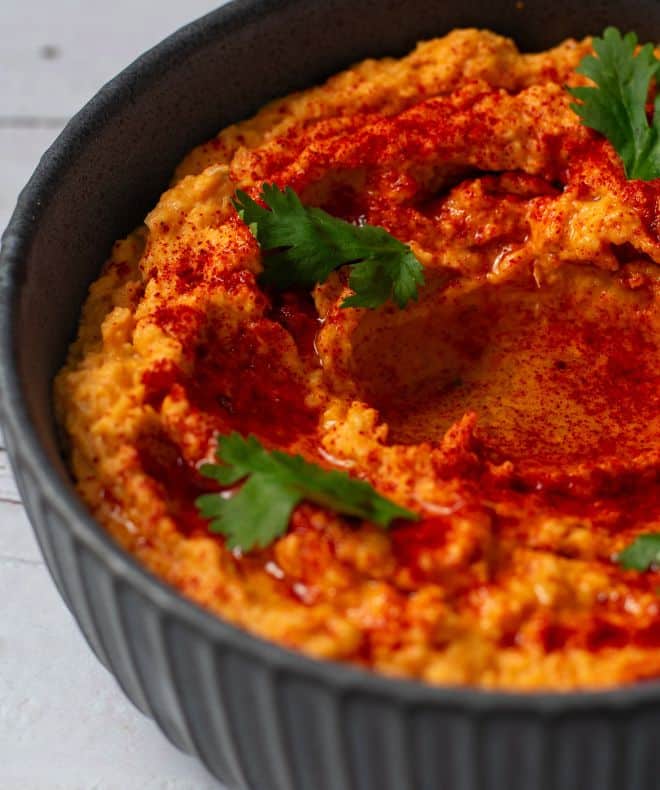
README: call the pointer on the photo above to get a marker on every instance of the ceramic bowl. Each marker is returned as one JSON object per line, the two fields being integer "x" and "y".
{"x": 259, "y": 716}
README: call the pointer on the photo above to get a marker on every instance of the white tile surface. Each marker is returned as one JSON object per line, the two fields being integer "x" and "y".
{"x": 56, "y": 55}
{"x": 20, "y": 150}
{"x": 64, "y": 724}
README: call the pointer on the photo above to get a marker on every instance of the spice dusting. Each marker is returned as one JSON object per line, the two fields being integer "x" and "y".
{"x": 514, "y": 406}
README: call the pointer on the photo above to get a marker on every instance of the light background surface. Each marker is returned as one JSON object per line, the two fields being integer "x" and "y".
{"x": 64, "y": 723}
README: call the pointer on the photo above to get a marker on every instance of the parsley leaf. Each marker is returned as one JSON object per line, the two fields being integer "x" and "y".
{"x": 311, "y": 243}
{"x": 642, "y": 553}
{"x": 275, "y": 483}
{"x": 616, "y": 107}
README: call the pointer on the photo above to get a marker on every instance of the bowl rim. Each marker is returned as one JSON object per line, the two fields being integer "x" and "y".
{"x": 341, "y": 676}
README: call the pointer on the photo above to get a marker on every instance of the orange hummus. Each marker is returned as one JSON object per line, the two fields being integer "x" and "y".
{"x": 514, "y": 406}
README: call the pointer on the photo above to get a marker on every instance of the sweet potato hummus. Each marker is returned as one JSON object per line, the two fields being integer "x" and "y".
{"x": 514, "y": 406}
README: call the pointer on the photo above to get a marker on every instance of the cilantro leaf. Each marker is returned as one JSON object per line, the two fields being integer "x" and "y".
{"x": 616, "y": 107}
{"x": 310, "y": 244}
{"x": 642, "y": 553}
{"x": 275, "y": 483}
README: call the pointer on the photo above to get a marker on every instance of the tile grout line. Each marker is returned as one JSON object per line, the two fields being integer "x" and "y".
{"x": 21, "y": 561}
{"x": 32, "y": 122}
{"x": 9, "y": 500}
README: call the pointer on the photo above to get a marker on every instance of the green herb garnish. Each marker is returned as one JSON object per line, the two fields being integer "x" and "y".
{"x": 275, "y": 483}
{"x": 616, "y": 107}
{"x": 642, "y": 553}
{"x": 310, "y": 244}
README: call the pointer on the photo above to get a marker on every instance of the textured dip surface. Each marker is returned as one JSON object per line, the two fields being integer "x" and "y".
{"x": 514, "y": 406}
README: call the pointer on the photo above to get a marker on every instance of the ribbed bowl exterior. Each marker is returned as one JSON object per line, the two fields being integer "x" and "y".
{"x": 258, "y": 716}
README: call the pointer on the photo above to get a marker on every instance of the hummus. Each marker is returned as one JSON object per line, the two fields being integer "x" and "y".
{"x": 514, "y": 406}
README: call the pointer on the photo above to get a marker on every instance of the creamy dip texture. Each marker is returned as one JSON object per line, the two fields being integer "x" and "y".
{"x": 514, "y": 406}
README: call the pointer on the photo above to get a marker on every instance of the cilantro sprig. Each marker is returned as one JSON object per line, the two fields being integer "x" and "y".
{"x": 275, "y": 482}
{"x": 642, "y": 553}
{"x": 309, "y": 244}
{"x": 616, "y": 106}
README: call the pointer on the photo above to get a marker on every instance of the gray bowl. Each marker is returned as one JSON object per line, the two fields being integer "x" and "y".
{"x": 257, "y": 715}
